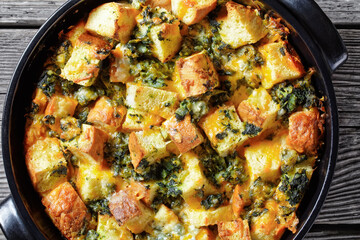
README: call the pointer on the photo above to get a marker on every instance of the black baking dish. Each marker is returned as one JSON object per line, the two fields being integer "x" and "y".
{"x": 315, "y": 38}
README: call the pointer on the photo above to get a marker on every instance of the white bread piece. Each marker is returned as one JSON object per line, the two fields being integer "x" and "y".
{"x": 191, "y": 12}
{"x": 112, "y": 20}
{"x": 241, "y": 25}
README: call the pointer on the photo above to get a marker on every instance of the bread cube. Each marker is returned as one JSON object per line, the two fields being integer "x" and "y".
{"x": 107, "y": 116}
{"x": 267, "y": 225}
{"x": 223, "y": 128}
{"x": 263, "y": 158}
{"x": 305, "y": 130}
{"x": 183, "y": 133}
{"x": 84, "y": 64}
{"x": 241, "y": 25}
{"x": 40, "y": 100}
{"x": 239, "y": 199}
{"x": 201, "y": 217}
{"x": 166, "y": 219}
{"x": 166, "y": 40}
{"x": 35, "y": 130}
{"x": 191, "y": 12}
{"x": 120, "y": 66}
{"x": 130, "y": 212}
{"x": 109, "y": 229}
{"x": 46, "y": 164}
{"x": 166, "y": 4}
{"x": 151, "y": 100}
{"x": 193, "y": 179}
{"x": 149, "y": 145}
{"x": 141, "y": 191}
{"x": 137, "y": 120}
{"x": 91, "y": 142}
{"x": 234, "y": 230}
{"x": 66, "y": 210}
{"x": 112, "y": 20}
{"x": 94, "y": 182}
{"x": 75, "y": 32}
{"x": 205, "y": 234}
{"x": 259, "y": 109}
{"x": 281, "y": 63}
{"x": 58, "y": 107}
{"x": 197, "y": 74}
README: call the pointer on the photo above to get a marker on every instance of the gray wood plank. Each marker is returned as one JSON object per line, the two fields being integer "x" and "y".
{"x": 343, "y": 202}
{"x": 34, "y": 13}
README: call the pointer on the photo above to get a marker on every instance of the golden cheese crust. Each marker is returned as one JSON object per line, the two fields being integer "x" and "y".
{"x": 305, "y": 129}
{"x": 67, "y": 210}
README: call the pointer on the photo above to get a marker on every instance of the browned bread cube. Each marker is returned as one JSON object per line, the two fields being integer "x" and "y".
{"x": 197, "y": 74}
{"x": 183, "y": 133}
{"x": 112, "y": 20}
{"x": 137, "y": 120}
{"x": 46, "y": 164}
{"x": 129, "y": 211}
{"x": 305, "y": 129}
{"x": 234, "y": 230}
{"x": 281, "y": 63}
{"x": 67, "y": 210}
{"x": 91, "y": 142}
{"x": 148, "y": 144}
{"x": 107, "y": 116}
{"x": 166, "y": 40}
{"x": 191, "y": 12}
{"x": 84, "y": 64}
{"x": 58, "y": 107}
{"x": 259, "y": 109}
{"x": 241, "y": 25}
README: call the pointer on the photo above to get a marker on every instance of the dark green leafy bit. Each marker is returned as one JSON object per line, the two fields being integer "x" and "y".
{"x": 63, "y": 54}
{"x": 286, "y": 211}
{"x": 84, "y": 95}
{"x": 294, "y": 188}
{"x": 67, "y": 87}
{"x": 201, "y": 38}
{"x": 251, "y": 129}
{"x": 220, "y": 169}
{"x": 99, "y": 206}
{"x": 261, "y": 191}
{"x": 137, "y": 49}
{"x": 116, "y": 152}
{"x": 60, "y": 171}
{"x": 168, "y": 193}
{"x": 81, "y": 113}
{"x": 91, "y": 235}
{"x": 212, "y": 201}
{"x": 291, "y": 95}
{"x": 49, "y": 120}
{"x": 47, "y": 83}
{"x": 196, "y": 107}
{"x": 289, "y": 158}
{"x": 152, "y": 72}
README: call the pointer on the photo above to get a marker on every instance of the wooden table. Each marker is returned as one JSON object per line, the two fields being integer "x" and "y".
{"x": 340, "y": 215}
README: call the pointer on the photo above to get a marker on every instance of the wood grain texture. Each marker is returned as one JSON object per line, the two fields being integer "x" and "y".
{"x": 34, "y": 13}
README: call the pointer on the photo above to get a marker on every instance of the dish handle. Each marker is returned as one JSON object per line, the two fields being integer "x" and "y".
{"x": 11, "y": 222}
{"x": 321, "y": 29}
